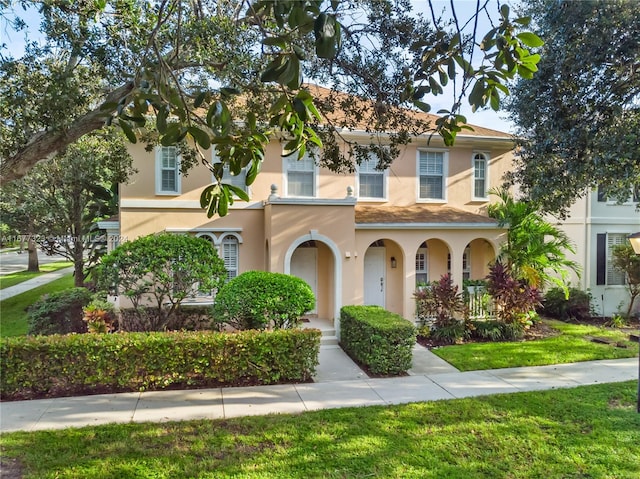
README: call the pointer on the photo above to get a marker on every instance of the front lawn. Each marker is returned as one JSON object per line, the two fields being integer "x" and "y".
{"x": 571, "y": 346}
{"x": 590, "y": 431}
{"x": 13, "y": 311}
{"x": 11, "y": 279}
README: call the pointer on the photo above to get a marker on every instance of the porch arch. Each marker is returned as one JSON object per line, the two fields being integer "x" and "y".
{"x": 337, "y": 269}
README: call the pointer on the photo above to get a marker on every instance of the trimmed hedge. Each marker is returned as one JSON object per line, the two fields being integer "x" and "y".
{"x": 48, "y": 366}
{"x": 378, "y": 339}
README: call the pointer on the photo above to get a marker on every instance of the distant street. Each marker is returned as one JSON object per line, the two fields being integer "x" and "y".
{"x": 13, "y": 261}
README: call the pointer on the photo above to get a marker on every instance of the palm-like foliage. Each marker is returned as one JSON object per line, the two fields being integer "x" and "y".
{"x": 534, "y": 250}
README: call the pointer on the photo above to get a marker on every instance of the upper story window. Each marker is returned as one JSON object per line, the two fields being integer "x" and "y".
{"x": 300, "y": 175}
{"x": 371, "y": 181}
{"x": 238, "y": 180}
{"x": 432, "y": 166}
{"x": 634, "y": 197}
{"x": 480, "y": 173}
{"x": 167, "y": 171}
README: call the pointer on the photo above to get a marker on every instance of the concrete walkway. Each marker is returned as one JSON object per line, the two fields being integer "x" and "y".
{"x": 45, "y": 278}
{"x": 328, "y": 392}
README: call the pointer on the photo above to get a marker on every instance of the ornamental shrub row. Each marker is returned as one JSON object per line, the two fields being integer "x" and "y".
{"x": 47, "y": 366}
{"x": 378, "y": 339}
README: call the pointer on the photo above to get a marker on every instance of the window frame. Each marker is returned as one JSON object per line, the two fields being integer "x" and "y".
{"x": 444, "y": 175}
{"x": 285, "y": 174}
{"x": 614, "y": 277}
{"x": 228, "y": 178}
{"x": 424, "y": 271}
{"x": 486, "y": 159}
{"x": 383, "y": 174}
{"x": 160, "y": 168}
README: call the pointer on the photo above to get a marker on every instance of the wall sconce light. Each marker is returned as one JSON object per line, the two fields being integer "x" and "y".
{"x": 634, "y": 239}
{"x": 394, "y": 263}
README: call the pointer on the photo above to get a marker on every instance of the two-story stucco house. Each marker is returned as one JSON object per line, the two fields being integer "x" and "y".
{"x": 364, "y": 238}
{"x": 596, "y": 225}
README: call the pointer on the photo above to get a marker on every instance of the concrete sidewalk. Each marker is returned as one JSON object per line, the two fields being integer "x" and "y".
{"x": 328, "y": 392}
{"x": 32, "y": 283}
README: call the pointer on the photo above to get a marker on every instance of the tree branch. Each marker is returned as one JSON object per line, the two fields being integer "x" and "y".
{"x": 46, "y": 144}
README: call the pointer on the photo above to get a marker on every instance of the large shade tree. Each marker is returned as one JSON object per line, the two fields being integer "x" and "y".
{"x": 578, "y": 119}
{"x": 59, "y": 202}
{"x": 232, "y": 73}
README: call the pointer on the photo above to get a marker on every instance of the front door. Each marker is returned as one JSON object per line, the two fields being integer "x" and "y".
{"x": 374, "y": 276}
{"x": 304, "y": 265}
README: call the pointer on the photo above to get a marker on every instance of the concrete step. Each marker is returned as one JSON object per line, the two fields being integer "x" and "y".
{"x": 328, "y": 340}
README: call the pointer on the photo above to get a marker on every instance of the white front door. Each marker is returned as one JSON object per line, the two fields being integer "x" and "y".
{"x": 374, "y": 276}
{"x": 304, "y": 265}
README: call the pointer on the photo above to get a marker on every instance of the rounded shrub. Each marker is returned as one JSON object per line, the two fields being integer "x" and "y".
{"x": 262, "y": 300}
{"x": 575, "y": 308}
{"x": 59, "y": 313}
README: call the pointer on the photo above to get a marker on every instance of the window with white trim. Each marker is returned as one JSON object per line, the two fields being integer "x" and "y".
{"x": 421, "y": 265}
{"x": 229, "y": 251}
{"x": 167, "y": 171}
{"x": 431, "y": 172}
{"x": 614, "y": 276}
{"x": 480, "y": 164}
{"x": 238, "y": 180}
{"x": 466, "y": 263}
{"x": 300, "y": 175}
{"x": 371, "y": 181}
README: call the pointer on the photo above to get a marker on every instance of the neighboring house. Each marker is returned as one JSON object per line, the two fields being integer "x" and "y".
{"x": 596, "y": 225}
{"x": 365, "y": 238}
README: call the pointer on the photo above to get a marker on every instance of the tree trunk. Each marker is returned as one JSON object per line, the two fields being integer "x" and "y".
{"x": 78, "y": 264}
{"x": 32, "y": 248}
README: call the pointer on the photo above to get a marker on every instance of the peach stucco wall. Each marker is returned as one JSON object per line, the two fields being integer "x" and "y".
{"x": 270, "y": 230}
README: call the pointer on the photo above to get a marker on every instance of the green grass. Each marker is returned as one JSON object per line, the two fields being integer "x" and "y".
{"x": 590, "y": 431}
{"x": 8, "y": 280}
{"x": 569, "y": 347}
{"x": 13, "y": 314}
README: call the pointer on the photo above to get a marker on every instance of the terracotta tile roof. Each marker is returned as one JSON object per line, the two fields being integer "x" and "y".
{"x": 417, "y": 214}
{"x": 367, "y": 117}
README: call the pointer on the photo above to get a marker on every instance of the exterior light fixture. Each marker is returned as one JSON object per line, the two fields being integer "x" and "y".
{"x": 394, "y": 263}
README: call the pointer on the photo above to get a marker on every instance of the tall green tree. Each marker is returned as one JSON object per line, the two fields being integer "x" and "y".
{"x": 232, "y": 73}
{"x": 578, "y": 118}
{"x": 534, "y": 249}
{"x": 59, "y": 202}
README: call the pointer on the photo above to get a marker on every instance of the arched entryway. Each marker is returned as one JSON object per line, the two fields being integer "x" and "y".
{"x": 316, "y": 259}
{"x": 477, "y": 258}
{"x": 432, "y": 261}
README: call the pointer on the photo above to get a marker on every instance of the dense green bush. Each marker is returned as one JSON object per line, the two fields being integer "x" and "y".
{"x": 575, "y": 308}
{"x": 380, "y": 340}
{"x": 59, "y": 313}
{"x": 71, "y": 364}
{"x": 261, "y": 300}
{"x": 160, "y": 270}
